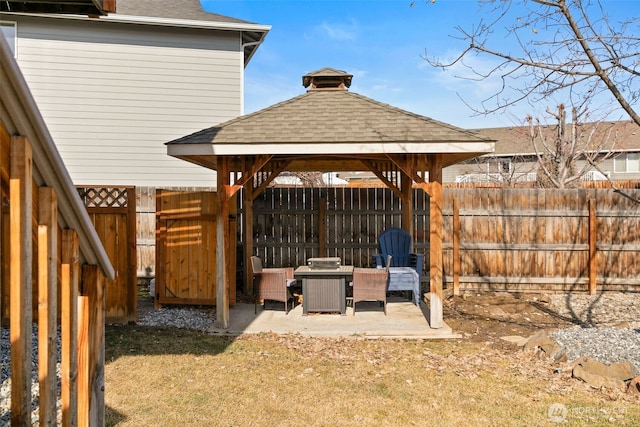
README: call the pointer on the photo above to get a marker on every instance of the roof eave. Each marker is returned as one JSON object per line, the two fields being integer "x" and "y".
{"x": 151, "y": 20}
{"x": 457, "y": 150}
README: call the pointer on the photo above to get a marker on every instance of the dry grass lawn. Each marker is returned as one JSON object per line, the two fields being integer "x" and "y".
{"x": 172, "y": 377}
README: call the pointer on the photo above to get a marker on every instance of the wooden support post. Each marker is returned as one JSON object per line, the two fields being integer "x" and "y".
{"x": 84, "y": 392}
{"x": 435, "y": 241}
{"x": 161, "y": 249}
{"x": 69, "y": 287}
{"x": 21, "y": 258}
{"x": 91, "y": 404}
{"x": 247, "y": 217}
{"x": 456, "y": 247}
{"x": 222, "y": 245}
{"x": 593, "y": 264}
{"x": 47, "y": 302}
{"x": 233, "y": 248}
{"x": 132, "y": 245}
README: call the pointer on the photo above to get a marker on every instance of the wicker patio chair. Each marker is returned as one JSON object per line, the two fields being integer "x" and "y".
{"x": 370, "y": 284}
{"x": 272, "y": 284}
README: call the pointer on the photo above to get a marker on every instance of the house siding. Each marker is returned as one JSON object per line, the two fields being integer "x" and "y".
{"x": 112, "y": 94}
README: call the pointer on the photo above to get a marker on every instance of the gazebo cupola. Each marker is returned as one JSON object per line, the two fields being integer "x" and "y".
{"x": 327, "y": 79}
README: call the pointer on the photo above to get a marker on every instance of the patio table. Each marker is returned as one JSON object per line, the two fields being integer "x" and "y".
{"x": 405, "y": 279}
{"x": 323, "y": 290}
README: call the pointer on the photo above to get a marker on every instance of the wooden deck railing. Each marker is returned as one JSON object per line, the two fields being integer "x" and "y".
{"x": 30, "y": 253}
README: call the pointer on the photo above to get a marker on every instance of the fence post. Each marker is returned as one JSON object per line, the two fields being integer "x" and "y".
{"x": 69, "y": 287}
{"x": 592, "y": 247}
{"x": 456, "y": 246}
{"x": 21, "y": 259}
{"x": 47, "y": 302}
{"x": 91, "y": 348}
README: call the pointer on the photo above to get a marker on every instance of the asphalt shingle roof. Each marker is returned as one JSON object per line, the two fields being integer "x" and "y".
{"x": 330, "y": 116}
{"x": 516, "y": 139}
{"x": 171, "y": 9}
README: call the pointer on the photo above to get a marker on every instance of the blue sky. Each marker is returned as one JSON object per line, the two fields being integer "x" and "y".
{"x": 382, "y": 43}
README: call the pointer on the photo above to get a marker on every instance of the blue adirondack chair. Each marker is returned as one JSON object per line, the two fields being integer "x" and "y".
{"x": 397, "y": 243}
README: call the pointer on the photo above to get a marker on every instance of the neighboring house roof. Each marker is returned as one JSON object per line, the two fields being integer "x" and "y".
{"x": 181, "y": 13}
{"x": 516, "y": 140}
{"x": 20, "y": 114}
{"x": 332, "y": 120}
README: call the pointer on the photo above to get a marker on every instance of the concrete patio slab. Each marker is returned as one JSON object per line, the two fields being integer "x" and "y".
{"x": 403, "y": 320}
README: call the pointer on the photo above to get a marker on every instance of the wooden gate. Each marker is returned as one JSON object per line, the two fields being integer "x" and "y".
{"x": 113, "y": 213}
{"x": 186, "y": 248}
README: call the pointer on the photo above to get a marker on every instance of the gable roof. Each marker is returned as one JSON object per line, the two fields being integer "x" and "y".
{"x": 516, "y": 140}
{"x": 189, "y": 13}
{"x": 171, "y": 9}
{"x": 179, "y": 13}
{"x": 20, "y": 115}
{"x": 333, "y": 121}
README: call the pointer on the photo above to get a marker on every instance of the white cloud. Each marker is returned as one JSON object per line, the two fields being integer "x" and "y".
{"x": 339, "y": 32}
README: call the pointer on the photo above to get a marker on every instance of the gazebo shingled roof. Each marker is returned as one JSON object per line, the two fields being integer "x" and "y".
{"x": 330, "y": 121}
{"x": 329, "y": 128}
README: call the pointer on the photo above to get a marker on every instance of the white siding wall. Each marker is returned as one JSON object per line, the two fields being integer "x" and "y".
{"x": 113, "y": 94}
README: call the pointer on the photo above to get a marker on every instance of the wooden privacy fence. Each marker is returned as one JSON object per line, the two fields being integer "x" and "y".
{"x": 541, "y": 240}
{"x": 186, "y": 248}
{"x": 494, "y": 238}
{"x": 113, "y": 213}
{"x": 42, "y": 281}
{"x": 293, "y": 224}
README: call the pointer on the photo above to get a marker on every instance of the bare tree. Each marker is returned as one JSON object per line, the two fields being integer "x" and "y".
{"x": 567, "y": 153}
{"x": 566, "y": 47}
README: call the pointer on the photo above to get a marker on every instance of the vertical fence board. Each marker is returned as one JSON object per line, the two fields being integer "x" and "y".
{"x": 69, "y": 289}
{"x": 47, "y": 303}
{"x": 21, "y": 258}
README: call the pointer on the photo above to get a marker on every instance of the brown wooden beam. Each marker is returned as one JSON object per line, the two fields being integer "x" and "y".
{"x": 247, "y": 217}
{"x": 93, "y": 317}
{"x": 69, "y": 290}
{"x": 47, "y": 302}
{"x": 377, "y": 172}
{"x": 222, "y": 245}
{"x": 20, "y": 282}
{"x": 132, "y": 246}
{"x": 279, "y": 167}
{"x": 435, "y": 241}
{"x": 84, "y": 390}
{"x": 412, "y": 165}
{"x": 161, "y": 249}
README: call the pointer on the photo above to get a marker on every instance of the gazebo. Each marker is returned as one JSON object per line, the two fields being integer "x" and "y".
{"x": 329, "y": 128}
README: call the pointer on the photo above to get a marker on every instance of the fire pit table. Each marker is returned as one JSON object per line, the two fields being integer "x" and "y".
{"x": 323, "y": 288}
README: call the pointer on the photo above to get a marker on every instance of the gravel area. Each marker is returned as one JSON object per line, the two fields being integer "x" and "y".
{"x": 5, "y": 378}
{"x": 606, "y": 345}
{"x": 185, "y": 317}
{"x": 608, "y": 326}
